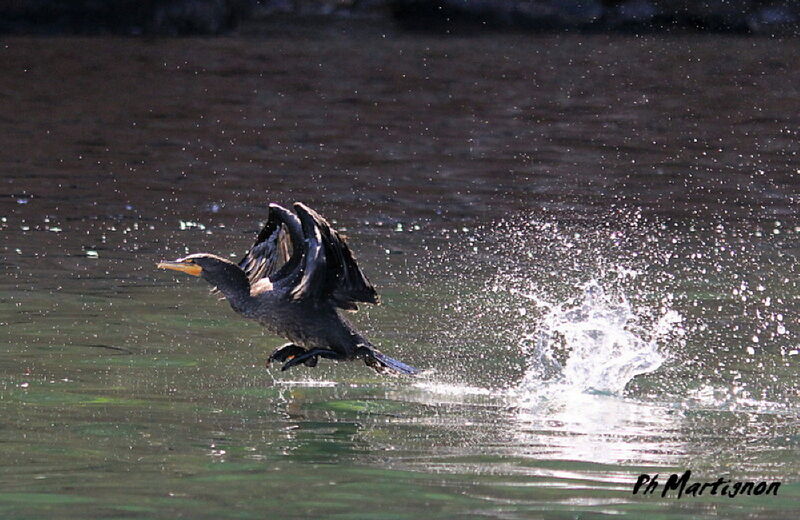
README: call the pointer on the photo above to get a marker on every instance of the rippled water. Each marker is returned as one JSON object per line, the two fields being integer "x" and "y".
{"x": 588, "y": 242}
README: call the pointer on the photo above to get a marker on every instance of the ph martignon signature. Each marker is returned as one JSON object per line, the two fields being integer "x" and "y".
{"x": 649, "y": 484}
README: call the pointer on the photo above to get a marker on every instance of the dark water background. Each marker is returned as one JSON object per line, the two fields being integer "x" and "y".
{"x": 531, "y": 208}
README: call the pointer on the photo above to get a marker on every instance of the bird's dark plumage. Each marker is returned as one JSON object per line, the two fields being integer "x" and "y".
{"x": 274, "y": 246}
{"x": 330, "y": 270}
{"x": 294, "y": 280}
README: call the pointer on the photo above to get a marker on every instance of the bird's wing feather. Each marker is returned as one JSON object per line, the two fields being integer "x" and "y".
{"x": 329, "y": 268}
{"x": 278, "y": 248}
{"x": 311, "y": 283}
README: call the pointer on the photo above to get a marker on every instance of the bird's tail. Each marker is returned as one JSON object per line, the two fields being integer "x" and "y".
{"x": 381, "y": 362}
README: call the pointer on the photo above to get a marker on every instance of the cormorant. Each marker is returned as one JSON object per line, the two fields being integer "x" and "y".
{"x": 294, "y": 281}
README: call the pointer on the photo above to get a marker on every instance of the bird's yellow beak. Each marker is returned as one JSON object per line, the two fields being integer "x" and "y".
{"x": 184, "y": 266}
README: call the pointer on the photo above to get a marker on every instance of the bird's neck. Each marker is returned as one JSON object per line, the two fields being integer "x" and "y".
{"x": 239, "y": 298}
{"x": 235, "y": 286}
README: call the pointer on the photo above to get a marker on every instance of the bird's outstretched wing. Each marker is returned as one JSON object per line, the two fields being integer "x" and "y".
{"x": 329, "y": 269}
{"x": 278, "y": 249}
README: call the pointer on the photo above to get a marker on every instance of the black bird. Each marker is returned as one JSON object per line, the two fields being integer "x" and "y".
{"x": 294, "y": 281}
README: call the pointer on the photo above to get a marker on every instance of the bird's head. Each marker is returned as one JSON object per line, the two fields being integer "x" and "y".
{"x": 219, "y": 272}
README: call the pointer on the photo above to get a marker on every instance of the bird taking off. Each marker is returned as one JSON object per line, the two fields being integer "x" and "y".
{"x": 295, "y": 280}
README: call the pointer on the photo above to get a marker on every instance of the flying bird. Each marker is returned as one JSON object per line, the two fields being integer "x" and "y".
{"x": 296, "y": 280}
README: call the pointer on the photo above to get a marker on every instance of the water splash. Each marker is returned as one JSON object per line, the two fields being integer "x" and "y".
{"x": 622, "y": 305}
{"x": 592, "y": 343}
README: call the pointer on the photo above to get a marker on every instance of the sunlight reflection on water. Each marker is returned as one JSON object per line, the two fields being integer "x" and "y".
{"x": 598, "y": 428}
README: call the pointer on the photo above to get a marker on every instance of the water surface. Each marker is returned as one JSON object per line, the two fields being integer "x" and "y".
{"x": 588, "y": 242}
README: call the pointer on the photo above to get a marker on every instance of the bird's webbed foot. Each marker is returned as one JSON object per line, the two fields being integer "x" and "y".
{"x": 289, "y": 352}
{"x": 310, "y": 358}
{"x": 384, "y": 364}
{"x": 368, "y": 356}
